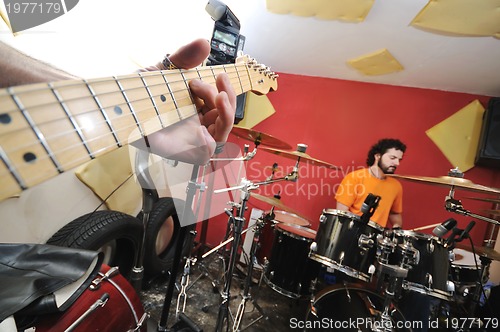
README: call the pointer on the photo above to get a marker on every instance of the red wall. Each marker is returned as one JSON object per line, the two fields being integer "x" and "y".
{"x": 339, "y": 121}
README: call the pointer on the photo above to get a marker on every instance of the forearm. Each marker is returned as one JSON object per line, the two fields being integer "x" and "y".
{"x": 17, "y": 68}
{"x": 396, "y": 219}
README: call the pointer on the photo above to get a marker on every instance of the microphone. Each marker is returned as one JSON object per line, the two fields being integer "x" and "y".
{"x": 368, "y": 207}
{"x": 445, "y": 227}
{"x": 465, "y": 232}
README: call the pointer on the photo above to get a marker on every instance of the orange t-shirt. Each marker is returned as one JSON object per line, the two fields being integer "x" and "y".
{"x": 356, "y": 186}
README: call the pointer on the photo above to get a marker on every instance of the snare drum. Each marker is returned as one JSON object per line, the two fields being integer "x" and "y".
{"x": 109, "y": 304}
{"x": 346, "y": 244}
{"x": 463, "y": 268}
{"x": 289, "y": 270}
{"x": 428, "y": 269}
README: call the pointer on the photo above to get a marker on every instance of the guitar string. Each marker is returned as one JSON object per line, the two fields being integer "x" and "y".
{"x": 127, "y": 129}
{"x": 104, "y": 122}
{"x": 78, "y": 83}
{"x": 113, "y": 145}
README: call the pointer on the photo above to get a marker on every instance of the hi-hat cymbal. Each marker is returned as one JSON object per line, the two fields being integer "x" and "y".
{"x": 302, "y": 155}
{"x": 490, "y": 200}
{"x": 260, "y": 138}
{"x": 274, "y": 202}
{"x": 481, "y": 251}
{"x": 449, "y": 181}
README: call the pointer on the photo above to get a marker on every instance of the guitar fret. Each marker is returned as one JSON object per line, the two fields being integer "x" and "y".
{"x": 152, "y": 100}
{"x": 15, "y": 174}
{"x": 104, "y": 114}
{"x": 187, "y": 89}
{"x": 72, "y": 120}
{"x": 129, "y": 104}
{"x": 239, "y": 78}
{"x": 36, "y": 130}
{"x": 172, "y": 95}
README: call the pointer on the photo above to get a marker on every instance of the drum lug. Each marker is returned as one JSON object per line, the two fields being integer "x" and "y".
{"x": 450, "y": 286}
{"x": 96, "y": 283}
{"x": 429, "y": 281}
{"x": 313, "y": 248}
{"x": 365, "y": 242}
{"x": 430, "y": 247}
{"x": 322, "y": 218}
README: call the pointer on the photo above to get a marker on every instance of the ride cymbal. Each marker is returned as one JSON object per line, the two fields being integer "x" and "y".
{"x": 274, "y": 202}
{"x": 449, "y": 181}
{"x": 490, "y": 200}
{"x": 302, "y": 155}
{"x": 495, "y": 213}
{"x": 481, "y": 251}
{"x": 260, "y": 138}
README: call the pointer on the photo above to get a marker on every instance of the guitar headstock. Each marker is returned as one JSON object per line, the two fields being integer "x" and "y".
{"x": 262, "y": 79}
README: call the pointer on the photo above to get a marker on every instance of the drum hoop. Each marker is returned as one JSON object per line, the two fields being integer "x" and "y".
{"x": 421, "y": 236}
{"x": 278, "y": 228}
{"x": 124, "y": 295}
{"x": 447, "y": 296}
{"x": 348, "y": 214}
{"x": 280, "y": 290}
{"x": 290, "y": 214}
{"x": 352, "y": 216}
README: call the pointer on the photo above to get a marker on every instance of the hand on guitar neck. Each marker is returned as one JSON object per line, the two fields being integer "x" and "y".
{"x": 52, "y": 126}
{"x": 194, "y": 140}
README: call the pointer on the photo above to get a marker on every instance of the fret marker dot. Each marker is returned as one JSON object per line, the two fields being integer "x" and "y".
{"x": 118, "y": 110}
{"x": 5, "y": 118}
{"x": 163, "y": 98}
{"x": 29, "y": 157}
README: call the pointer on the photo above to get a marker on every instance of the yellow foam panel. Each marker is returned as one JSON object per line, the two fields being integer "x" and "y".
{"x": 458, "y": 136}
{"x": 380, "y": 62}
{"x": 257, "y": 109}
{"x": 350, "y": 11}
{"x": 108, "y": 172}
{"x": 460, "y": 17}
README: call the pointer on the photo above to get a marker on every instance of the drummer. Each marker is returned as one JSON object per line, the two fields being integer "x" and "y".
{"x": 383, "y": 158}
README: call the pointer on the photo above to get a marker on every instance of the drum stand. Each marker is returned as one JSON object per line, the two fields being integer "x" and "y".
{"x": 396, "y": 275}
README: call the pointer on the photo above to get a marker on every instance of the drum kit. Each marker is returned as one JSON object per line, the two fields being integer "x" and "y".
{"x": 380, "y": 264}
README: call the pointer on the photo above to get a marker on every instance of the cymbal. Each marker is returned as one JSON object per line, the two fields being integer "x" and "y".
{"x": 449, "y": 181}
{"x": 302, "y": 155}
{"x": 491, "y": 200}
{"x": 493, "y": 212}
{"x": 274, "y": 202}
{"x": 259, "y": 138}
{"x": 481, "y": 251}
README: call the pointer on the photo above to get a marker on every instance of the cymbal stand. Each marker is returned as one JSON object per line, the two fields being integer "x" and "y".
{"x": 248, "y": 281}
{"x": 238, "y": 221}
{"x": 191, "y": 190}
{"x": 455, "y": 205}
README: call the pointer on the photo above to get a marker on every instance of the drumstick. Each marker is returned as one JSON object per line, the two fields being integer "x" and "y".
{"x": 425, "y": 227}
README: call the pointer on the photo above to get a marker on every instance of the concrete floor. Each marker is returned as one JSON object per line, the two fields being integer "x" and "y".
{"x": 203, "y": 300}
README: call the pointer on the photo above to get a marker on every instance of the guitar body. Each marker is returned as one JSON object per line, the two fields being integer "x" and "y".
{"x": 121, "y": 312}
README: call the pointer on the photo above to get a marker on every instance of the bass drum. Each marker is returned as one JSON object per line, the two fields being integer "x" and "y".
{"x": 109, "y": 304}
{"x": 352, "y": 308}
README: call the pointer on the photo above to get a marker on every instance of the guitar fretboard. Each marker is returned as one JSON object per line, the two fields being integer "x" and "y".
{"x": 49, "y": 128}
